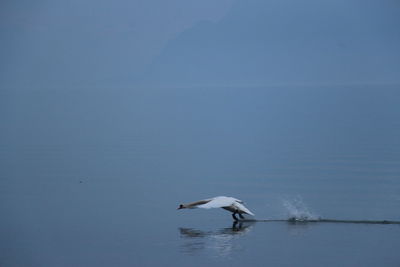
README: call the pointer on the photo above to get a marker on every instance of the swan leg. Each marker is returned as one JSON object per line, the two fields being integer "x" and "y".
{"x": 241, "y": 216}
{"x": 234, "y": 217}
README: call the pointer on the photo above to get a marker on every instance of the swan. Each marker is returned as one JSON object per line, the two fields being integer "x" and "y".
{"x": 228, "y": 203}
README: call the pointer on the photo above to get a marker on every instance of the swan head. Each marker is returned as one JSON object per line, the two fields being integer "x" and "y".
{"x": 181, "y": 206}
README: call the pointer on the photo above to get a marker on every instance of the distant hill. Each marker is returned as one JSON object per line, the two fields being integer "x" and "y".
{"x": 287, "y": 41}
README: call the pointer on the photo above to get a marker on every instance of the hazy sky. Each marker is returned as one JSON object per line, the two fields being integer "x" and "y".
{"x": 288, "y": 42}
{"x": 234, "y": 42}
{"x": 84, "y": 42}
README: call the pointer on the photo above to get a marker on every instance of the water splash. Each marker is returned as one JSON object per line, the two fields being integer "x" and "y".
{"x": 297, "y": 210}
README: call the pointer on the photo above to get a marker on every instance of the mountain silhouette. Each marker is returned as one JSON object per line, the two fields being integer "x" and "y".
{"x": 286, "y": 41}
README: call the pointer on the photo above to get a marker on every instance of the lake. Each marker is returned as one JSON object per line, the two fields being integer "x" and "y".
{"x": 93, "y": 176}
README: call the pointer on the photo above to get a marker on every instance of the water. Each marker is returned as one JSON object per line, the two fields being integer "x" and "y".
{"x": 93, "y": 177}
{"x": 298, "y": 210}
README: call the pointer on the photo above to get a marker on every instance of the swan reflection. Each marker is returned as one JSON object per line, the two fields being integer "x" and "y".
{"x": 221, "y": 241}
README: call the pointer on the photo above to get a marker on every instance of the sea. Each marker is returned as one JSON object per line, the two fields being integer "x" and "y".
{"x": 93, "y": 176}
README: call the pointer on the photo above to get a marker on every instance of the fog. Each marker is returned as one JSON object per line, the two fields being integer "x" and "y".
{"x": 91, "y": 43}
{"x": 287, "y": 42}
{"x": 58, "y": 44}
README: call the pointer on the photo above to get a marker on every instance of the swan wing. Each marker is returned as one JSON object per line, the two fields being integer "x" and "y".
{"x": 241, "y": 207}
{"x": 218, "y": 202}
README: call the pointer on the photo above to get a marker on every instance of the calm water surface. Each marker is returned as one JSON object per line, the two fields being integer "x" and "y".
{"x": 92, "y": 177}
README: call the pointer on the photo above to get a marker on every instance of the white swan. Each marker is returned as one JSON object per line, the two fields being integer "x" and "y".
{"x": 228, "y": 203}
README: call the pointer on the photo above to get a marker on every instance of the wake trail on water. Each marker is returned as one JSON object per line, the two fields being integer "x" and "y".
{"x": 298, "y": 212}
{"x": 304, "y": 221}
